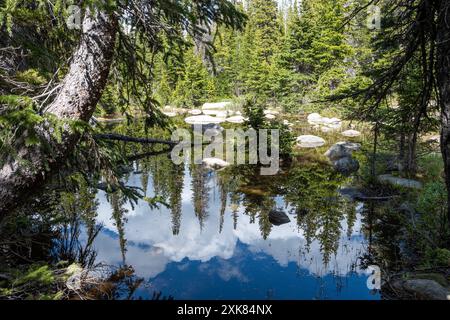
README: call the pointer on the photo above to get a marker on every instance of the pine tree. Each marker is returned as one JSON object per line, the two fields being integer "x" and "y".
{"x": 315, "y": 51}
{"x": 195, "y": 86}
{"x": 262, "y": 36}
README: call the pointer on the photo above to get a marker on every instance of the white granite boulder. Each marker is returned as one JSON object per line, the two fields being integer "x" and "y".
{"x": 170, "y": 114}
{"x": 203, "y": 120}
{"x": 217, "y": 113}
{"x": 270, "y": 111}
{"x": 236, "y": 119}
{"x": 351, "y": 133}
{"x": 195, "y": 112}
{"x": 309, "y": 141}
{"x": 314, "y": 119}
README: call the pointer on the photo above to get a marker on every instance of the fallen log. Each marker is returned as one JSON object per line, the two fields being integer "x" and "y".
{"x": 119, "y": 137}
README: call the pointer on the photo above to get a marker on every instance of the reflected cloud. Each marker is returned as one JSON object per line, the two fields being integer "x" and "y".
{"x": 152, "y": 244}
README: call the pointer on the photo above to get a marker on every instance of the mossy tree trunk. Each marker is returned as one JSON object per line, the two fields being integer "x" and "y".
{"x": 80, "y": 91}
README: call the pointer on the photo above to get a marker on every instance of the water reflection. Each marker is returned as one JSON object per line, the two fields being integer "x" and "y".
{"x": 215, "y": 240}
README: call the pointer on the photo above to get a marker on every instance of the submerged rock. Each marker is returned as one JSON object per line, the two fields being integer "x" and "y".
{"x": 278, "y": 217}
{"x": 215, "y": 163}
{"x": 309, "y": 141}
{"x": 402, "y": 182}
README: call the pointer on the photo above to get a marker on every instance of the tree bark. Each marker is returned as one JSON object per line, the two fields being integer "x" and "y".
{"x": 443, "y": 83}
{"x": 80, "y": 91}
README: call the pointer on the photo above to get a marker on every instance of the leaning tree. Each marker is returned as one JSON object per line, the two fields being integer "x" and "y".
{"x": 43, "y": 115}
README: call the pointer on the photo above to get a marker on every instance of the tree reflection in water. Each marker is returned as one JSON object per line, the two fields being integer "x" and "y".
{"x": 308, "y": 193}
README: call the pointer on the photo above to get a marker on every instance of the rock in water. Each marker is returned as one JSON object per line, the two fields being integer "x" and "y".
{"x": 211, "y": 112}
{"x": 195, "y": 112}
{"x": 333, "y": 123}
{"x": 273, "y": 112}
{"x": 351, "y": 133}
{"x": 346, "y": 165}
{"x": 314, "y": 118}
{"x": 203, "y": 120}
{"x": 236, "y": 119}
{"x": 170, "y": 114}
{"x": 309, "y": 141}
{"x": 215, "y": 163}
{"x": 278, "y": 217}
{"x": 402, "y": 182}
{"x": 341, "y": 150}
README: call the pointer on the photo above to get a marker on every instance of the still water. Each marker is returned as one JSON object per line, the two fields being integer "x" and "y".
{"x": 214, "y": 239}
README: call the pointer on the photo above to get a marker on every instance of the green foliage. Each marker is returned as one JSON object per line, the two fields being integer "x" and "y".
{"x": 37, "y": 282}
{"x": 431, "y": 232}
{"x": 254, "y": 111}
{"x": 437, "y": 257}
{"x": 31, "y": 76}
{"x": 17, "y": 126}
{"x": 35, "y": 275}
{"x": 155, "y": 202}
{"x": 195, "y": 86}
{"x": 287, "y": 63}
{"x": 431, "y": 166}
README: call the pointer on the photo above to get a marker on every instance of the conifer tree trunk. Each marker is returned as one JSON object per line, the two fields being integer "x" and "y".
{"x": 80, "y": 91}
{"x": 443, "y": 83}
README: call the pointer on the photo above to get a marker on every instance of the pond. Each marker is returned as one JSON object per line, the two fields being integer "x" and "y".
{"x": 213, "y": 238}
